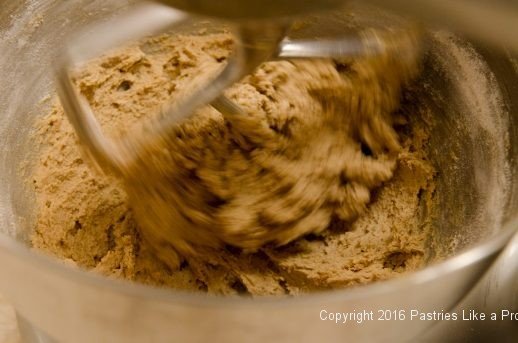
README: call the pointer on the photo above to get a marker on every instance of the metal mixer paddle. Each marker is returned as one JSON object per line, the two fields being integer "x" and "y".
{"x": 256, "y": 41}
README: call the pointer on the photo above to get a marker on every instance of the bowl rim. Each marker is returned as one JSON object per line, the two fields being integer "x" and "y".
{"x": 465, "y": 258}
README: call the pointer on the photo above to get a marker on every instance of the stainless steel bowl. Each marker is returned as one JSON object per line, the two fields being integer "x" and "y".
{"x": 474, "y": 92}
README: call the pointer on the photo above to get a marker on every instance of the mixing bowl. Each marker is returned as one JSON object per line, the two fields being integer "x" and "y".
{"x": 473, "y": 93}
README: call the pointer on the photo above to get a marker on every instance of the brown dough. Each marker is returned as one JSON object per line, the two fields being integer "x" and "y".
{"x": 318, "y": 139}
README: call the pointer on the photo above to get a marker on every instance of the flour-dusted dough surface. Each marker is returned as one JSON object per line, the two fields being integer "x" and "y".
{"x": 315, "y": 167}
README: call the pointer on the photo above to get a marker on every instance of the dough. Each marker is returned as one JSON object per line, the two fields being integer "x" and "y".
{"x": 307, "y": 160}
